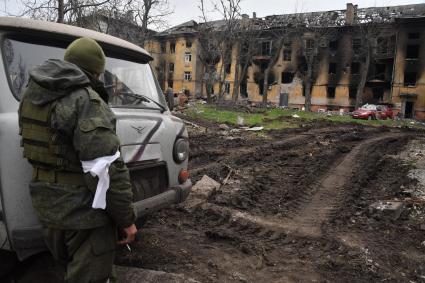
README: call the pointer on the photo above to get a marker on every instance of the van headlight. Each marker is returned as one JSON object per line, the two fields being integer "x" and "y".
{"x": 181, "y": 150}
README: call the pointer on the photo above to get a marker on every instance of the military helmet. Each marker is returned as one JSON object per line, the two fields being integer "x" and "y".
{"x": 87, "y": 54}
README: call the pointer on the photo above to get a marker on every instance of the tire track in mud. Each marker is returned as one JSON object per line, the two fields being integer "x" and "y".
{"x": 330, "y": 192}
{"x": 314, "y": 210}
{"x": 292, "y": 141}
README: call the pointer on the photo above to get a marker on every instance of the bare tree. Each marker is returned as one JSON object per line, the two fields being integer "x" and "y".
{"x": 274, "y": 30}
{"x": 143, "y": 13}
{"x": 374, "y": 40}
{"x": 245, "y": 46}
{"x": 216, "y": 39}
{"x": 61, "y": 11}
{"x": 313, "y": 41}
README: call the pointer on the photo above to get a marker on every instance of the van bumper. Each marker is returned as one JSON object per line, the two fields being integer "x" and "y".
{"x": 173, "y": 195}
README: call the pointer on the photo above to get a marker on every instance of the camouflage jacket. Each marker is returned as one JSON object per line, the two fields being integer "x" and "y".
{"x": 88, "y": 124}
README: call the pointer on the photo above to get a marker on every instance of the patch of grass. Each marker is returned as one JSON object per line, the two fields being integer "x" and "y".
{"x": 281, "y": 118}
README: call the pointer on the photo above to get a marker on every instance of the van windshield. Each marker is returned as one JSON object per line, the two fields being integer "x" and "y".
{"x": 129, "y": 84}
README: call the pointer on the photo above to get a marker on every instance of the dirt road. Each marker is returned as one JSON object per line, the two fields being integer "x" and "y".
{"x": 293, "y": 206}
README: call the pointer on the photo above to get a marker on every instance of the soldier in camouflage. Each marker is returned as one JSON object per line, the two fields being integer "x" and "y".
{"x": 65, "y": 120}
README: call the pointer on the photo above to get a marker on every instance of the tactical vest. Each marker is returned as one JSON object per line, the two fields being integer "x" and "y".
{"x": 44, "y": 148}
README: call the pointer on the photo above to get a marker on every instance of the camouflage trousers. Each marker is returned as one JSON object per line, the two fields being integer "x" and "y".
{"x": 88, "y": 255}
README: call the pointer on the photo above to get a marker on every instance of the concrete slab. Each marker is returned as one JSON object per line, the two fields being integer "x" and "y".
{"x": 201, "y": 191}
{"x": 387, "y": 209}
{"x": 132, "y": 274}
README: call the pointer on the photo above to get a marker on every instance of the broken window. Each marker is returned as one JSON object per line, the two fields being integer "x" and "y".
{"x": 163, "y": 47}
{"x": 287, "y": 54}
{"x": 332, "y": 68}
{"x": 172, "y": 47}
{"x": 228, "y": 68}
{"x": 309, "y": 46}
{"x": 187, "y": 76}
{"x": 171, "y": 67}
{"x": 188, "y": 44}
{"x": 414, "y": 35}
{"x": 188, "y": 57}
{"x": 265, "y": 48}
{"x": 378, "y": 93}
{"x": 227, "y": 87}
{"x": 333, "y": 45}
{"x": 170, "y": 83}
{"x": 287, "y": 77}
{"x": 357, "y": 44}
{"x": 355, "y": 68}
{"x": 382, "y": 45}
{"x": 412, "y": 51}
{"x": 410, "y": 78}
{"x": 380, "y": 71}
{"x": 353, "y": 92}
{"x": 331, "y": 92}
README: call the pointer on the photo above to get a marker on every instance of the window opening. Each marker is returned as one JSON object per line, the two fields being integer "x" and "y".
{"x": 357, "y": 44}
{"x": 410, "y": 78}
{"x": 412, "y": 51}
{"x": 265, "y": 48}
{"x": 287, "y": 77}
{"x": 187, "y": 76}
{"x": 331, "y": 92}
{"x": 171, "y": 67}
{"x": 353, "y": 92}
{"x": 414, "y": 35}
{"x": 188, "y": 57}
{"x": 287, "y": 54}
{"x": 333, "y": 45}
{"x": 355, "y": 68}
{"x": 332, "y": 68}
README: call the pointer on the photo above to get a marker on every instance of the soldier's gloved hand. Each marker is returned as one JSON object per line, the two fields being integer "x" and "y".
{"x": 129, "y": 234}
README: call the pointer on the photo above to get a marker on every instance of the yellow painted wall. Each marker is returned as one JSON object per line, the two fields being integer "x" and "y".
{"x": 343, "y": 57}
{"x": 178, "y": 58}
{"x": 400, "y": 63}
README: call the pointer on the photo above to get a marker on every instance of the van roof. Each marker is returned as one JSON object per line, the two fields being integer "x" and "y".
{"x": 72, "y": 32}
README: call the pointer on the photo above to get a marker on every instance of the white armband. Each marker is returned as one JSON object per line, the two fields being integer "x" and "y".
{"x": 100, "y": 167}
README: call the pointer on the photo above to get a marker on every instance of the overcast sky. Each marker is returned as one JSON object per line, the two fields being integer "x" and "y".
{"x": 185, "y": 10}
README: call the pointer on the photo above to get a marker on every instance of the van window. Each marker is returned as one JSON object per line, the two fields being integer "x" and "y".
{"x": 123, "y": 79}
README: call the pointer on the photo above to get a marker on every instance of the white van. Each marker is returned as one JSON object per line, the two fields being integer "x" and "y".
{"x": 155, "y": 144}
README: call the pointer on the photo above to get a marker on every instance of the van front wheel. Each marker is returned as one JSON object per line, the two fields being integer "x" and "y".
{"x": 8, "y": 262}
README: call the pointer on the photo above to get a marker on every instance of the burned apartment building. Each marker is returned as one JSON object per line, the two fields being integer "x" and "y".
{"x": 322, "y": 60}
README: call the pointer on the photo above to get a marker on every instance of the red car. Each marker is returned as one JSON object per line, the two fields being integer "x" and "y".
{"x": 373, "y": 112}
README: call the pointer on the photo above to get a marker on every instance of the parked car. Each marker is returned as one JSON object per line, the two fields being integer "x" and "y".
{"x": 373, "y": 112}
{"x": 155, "y": 144}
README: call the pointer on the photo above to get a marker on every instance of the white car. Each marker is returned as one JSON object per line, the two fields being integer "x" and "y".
{"x": 155, "y": 144}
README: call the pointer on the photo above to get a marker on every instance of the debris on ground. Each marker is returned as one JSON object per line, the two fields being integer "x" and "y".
{"x": 255, "y": 129}
{"x": 324, "y": 202}
{"x": 240, "y": 121}
{"x": 386, "y": 209}
{"x": 201, "y": 191}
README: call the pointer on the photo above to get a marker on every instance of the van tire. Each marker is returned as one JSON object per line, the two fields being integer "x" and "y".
{"x": 8, "y": 262}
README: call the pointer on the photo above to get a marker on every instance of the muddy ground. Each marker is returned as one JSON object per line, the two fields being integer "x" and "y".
{"x": 294, "y": 206}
